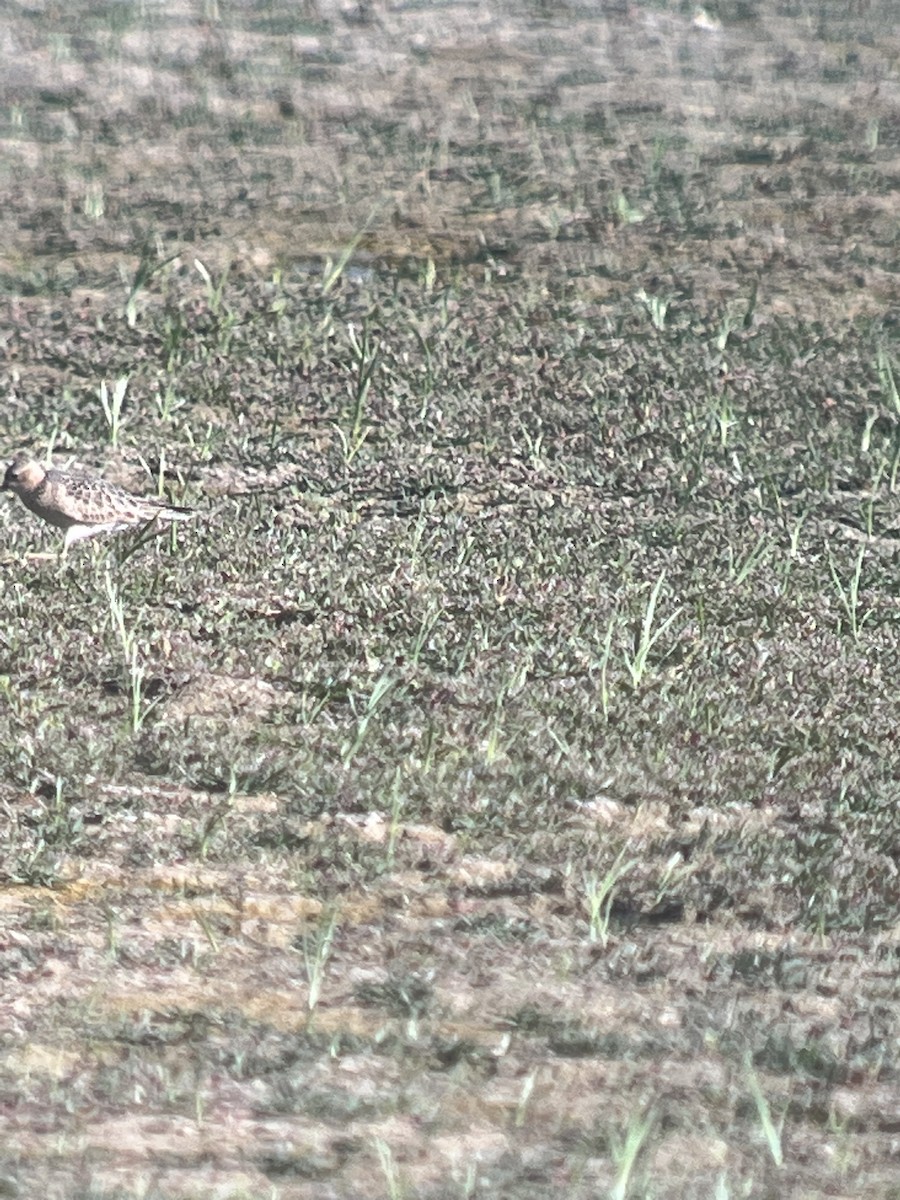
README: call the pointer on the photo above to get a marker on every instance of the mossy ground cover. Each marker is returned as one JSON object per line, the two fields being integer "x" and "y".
{"x": 493, "y": 792}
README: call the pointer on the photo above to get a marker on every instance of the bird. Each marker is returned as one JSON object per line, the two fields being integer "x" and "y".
{"x": 83, "y": 505}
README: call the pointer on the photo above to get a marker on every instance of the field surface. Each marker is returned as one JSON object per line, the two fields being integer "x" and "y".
{"x": 493, "y": 792}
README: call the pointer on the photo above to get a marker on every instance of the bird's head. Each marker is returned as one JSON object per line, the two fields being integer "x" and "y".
{"x": 23, "y": 474}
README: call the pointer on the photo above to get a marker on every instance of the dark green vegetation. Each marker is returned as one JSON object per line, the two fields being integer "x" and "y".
{"x": 494, "y": 791}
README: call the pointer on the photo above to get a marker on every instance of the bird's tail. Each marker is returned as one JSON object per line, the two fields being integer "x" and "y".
{"x": 162, "y": 511}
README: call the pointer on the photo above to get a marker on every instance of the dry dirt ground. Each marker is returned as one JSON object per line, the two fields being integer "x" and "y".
{"x": 494, "y": 792}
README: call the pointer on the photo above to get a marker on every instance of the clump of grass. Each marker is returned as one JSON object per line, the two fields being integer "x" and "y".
{"x": 135, "y": 670}
{"x": 848, "y": 592}
{"x": 773, "y": 1130}
{"x": 149, "y": 264}
{"x": 599, "y": 894}
{"x": 626, "y": 1150}
{"x": 317, "y": 949}
{"x": 389, "y": 1169}
{"x": 112, "y": 406}
{"x": 365, "y": 350}
{"x": 648, "y": 635}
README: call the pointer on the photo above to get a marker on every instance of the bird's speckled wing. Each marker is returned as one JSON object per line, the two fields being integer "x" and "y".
{"x": 87, "y": 501}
